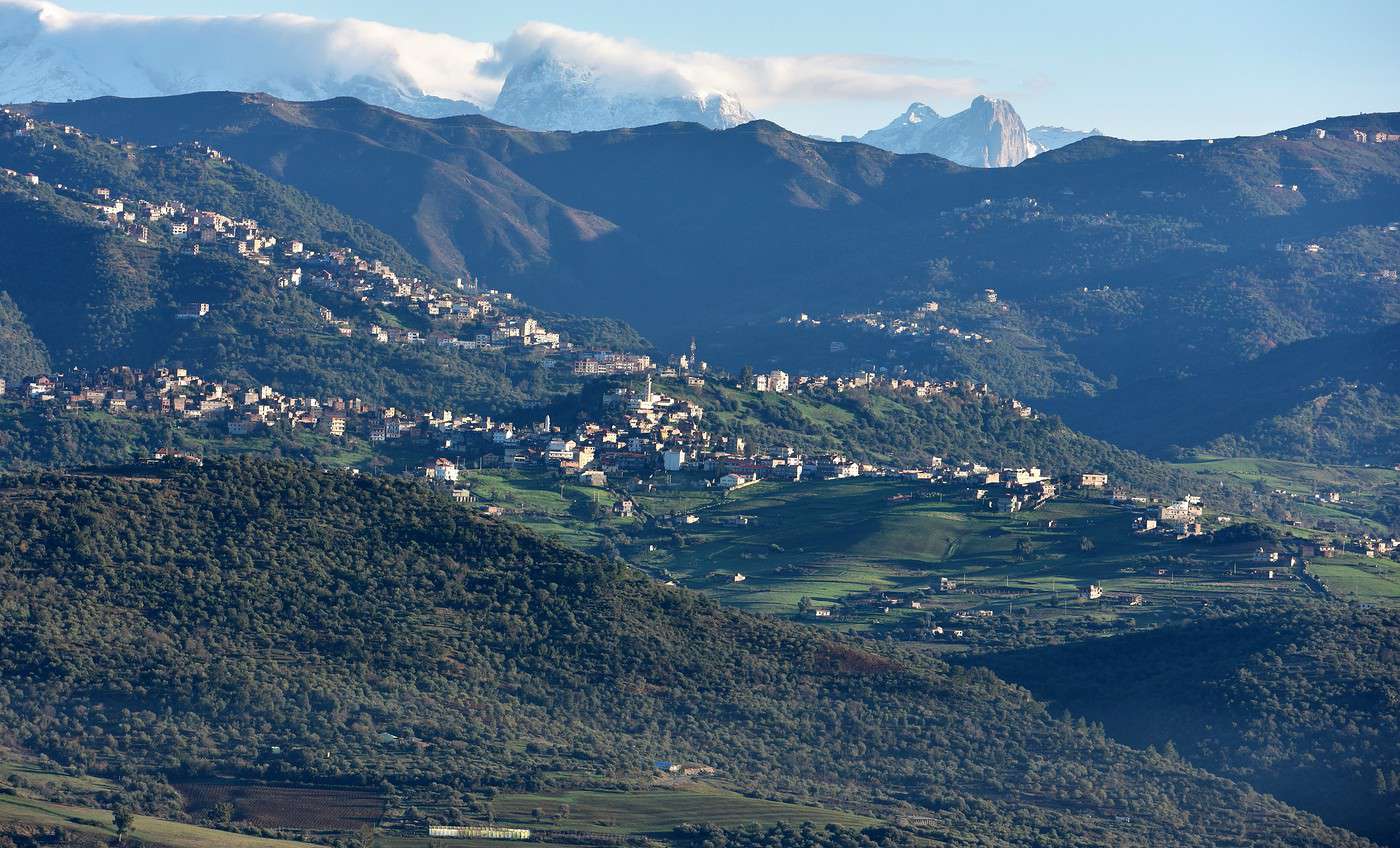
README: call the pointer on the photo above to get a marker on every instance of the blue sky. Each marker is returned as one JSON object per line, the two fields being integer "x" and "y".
{"x": 1168, "y": 70}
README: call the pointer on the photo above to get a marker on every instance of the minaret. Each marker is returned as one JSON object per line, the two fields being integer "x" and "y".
{"x": 694, "y": 365}
{"x": 648, "y": 395}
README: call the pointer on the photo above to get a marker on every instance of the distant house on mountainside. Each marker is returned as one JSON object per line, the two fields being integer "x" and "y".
{"x": 441, "y": 471}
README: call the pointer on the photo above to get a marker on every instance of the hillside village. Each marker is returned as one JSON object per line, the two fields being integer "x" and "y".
{"x": 637, "y": 433}
{"x": 640, "y": 437}
{"x": 919, "y": 321}
{"x": 461, "y": 314}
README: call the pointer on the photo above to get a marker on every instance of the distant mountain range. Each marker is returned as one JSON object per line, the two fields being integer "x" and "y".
{"x": 987, "y": 134}
{"x": 1052, "y": 138}
{"x": 48, "y": 53}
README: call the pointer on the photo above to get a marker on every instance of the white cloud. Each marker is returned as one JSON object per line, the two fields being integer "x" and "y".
{"x": 628, "y": 65}
{"x": 301, "y": 57}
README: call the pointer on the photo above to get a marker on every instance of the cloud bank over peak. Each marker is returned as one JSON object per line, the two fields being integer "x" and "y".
{"x": 627, "y": 66}
{"x": 48, "y": 52}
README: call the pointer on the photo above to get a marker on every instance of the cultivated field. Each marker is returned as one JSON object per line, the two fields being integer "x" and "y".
{"x": 658, "y": 810}
{"x": 826, "y": 541}
{"x": 292, "y": 807}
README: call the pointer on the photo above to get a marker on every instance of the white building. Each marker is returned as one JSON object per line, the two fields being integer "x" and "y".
{"x": 673, "y": 460}
{"x": 477, "y": 831}
{"x": 773, "y": 381}
{"x": 736, "y": 481}
{"x": 441, "y": 471}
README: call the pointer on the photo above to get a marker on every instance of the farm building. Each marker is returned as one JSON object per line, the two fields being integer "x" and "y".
{"x": 477, "y": 831}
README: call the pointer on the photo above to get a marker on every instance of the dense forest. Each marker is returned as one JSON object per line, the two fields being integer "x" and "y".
{"x": 20, "y": 352}
{"x": 182, "y": 620}
{"x": 37, "y": 438}
{"x": 1299, "y": 700}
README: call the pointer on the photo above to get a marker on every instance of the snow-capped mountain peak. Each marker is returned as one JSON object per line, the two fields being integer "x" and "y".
{"x": 917, "y": 113}
{"x": 547, "y": 93}
{"x": 987, "y": 134}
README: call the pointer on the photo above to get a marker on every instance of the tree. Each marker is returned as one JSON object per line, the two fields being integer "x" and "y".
{"x": 122, "y": 819}
{"x": 746, "y": 377}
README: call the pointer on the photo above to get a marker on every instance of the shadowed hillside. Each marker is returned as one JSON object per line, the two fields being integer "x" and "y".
{"x": 1299, "y": 701}
{"x": 1335, "y": 399}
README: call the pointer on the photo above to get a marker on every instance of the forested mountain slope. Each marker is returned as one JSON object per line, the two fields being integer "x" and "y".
{"x": 20, "y": 352}
{"x": 1302, "y": 701}
{"x": 189, "y": 619}
{"x": 1335, "y": 400}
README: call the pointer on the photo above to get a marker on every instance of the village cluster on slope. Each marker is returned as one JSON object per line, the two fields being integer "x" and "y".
{"x": 460, "y": 314}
